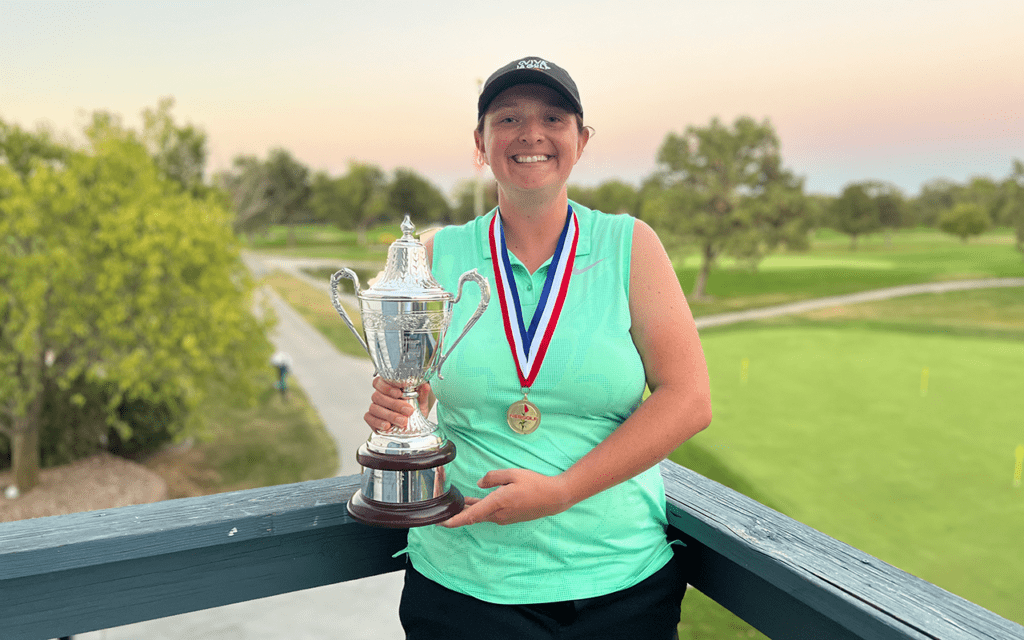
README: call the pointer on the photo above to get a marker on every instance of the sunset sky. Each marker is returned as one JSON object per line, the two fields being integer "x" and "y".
{"x": 903, "y": 90}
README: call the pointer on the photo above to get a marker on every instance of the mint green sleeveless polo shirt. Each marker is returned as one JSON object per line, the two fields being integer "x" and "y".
{"x": 591, "y": 380}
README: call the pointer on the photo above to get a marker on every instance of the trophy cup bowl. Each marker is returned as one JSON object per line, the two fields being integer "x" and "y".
{"x": 405, "y": 317}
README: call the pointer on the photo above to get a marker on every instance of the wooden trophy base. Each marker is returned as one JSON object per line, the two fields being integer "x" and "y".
{"x": 394, "y": 515}
{"x": 403, "y": 491}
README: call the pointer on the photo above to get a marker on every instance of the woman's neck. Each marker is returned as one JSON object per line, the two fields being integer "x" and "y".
{"x": 532, "y": 229}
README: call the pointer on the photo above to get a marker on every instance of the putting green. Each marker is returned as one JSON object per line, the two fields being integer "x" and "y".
{"x": 900, "y": 444}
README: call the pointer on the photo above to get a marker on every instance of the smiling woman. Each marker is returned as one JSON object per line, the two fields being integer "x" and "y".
{"x": 563, "y": 534}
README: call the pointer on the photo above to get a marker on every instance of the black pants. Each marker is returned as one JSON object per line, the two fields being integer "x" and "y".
{"x": 646, "y": 611}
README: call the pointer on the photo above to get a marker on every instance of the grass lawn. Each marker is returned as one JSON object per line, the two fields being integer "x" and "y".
{"x": 838, "y": 427}
{"x": 831, "y": 268}
{"x": 276, "y": 441}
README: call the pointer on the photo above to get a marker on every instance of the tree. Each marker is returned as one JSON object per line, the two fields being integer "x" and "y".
{"x": 116, "y": 278}
{"x": 984, "y": 192}
{"x": 936, "y": 196}
{"x": 179, "y": 152}
{"x": 1012, "y": 212}
{"x": 611, "y": 196}
{"x": 891, "y": 208}
{"x": 855, "y": 212}
{"x": 247, "y": 184}
{"x": 288, "y": 191}
{"x": 413, "y": 194}
{"x": 21, "y": 150}
{"x": 465, "y": 196}
{"x": 262, "y": 193}
{"x": 725, "y": 190}
{"x": 362, "y": 194}
{"x": 965, "y": 220}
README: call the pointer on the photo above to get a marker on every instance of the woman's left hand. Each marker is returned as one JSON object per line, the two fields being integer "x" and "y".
{"x": 521, "y": 495}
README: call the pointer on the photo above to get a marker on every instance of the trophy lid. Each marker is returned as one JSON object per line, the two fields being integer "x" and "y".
{"x": 406, "y": 274}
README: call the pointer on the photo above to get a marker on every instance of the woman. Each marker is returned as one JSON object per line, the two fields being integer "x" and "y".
{"x": 563, "y": 534}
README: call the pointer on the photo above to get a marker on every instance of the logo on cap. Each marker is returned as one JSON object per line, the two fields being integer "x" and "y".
{"x": 533, "y": 64}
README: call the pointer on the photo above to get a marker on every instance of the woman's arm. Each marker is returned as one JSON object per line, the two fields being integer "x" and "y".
{"x": 679, "y": 406}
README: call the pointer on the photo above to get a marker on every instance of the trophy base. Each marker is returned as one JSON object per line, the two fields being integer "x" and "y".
{"x": 403, "y": 491}
{"x": 405, "y": 515}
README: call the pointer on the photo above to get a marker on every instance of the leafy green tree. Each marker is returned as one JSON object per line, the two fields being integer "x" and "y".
{"x": 855, "y": 212}
{"x": 178, "y": 151}
{"x": 984, "y": 192}
{"x": 21, "y": 150}
{"x": 262, "y": 193}
{"x": 611, "y": 196}
{"x": 889, "y": 201}
{"x": 116, "y": 279}
{"x": 935, "y": 197}
{"x": 965, "y": 220}
{"x": 362, "y": 198}
{"x": 288, "y": 191}
{"x": 327, "y": 200}
{"x": 247, "y": 184}
{"x": 724, "y": 189}
{"x": 411, "y": 193}
{"x": 466, "y": 194}
{"x": 1012, "y": 212}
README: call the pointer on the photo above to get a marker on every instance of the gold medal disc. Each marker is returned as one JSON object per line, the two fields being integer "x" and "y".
{"x": 523, "y": 417}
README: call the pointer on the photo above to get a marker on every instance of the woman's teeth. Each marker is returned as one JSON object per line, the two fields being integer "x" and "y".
{"x": 524, "y": 159}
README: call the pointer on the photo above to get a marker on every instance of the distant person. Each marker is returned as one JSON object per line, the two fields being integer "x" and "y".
{"x": 283, "y": 363}
{"x": 564, "y": 532}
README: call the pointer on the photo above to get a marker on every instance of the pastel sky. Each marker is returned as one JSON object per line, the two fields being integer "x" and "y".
{"x": 899, "y": 90}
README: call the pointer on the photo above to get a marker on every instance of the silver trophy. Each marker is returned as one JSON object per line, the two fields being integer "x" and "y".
{"x": 405, "y": 317}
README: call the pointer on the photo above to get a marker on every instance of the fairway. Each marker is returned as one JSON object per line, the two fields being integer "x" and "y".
{"x": 900, "y": 444}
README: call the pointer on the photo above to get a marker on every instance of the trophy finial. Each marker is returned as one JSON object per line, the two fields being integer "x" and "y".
{"x": 407, "y": 228}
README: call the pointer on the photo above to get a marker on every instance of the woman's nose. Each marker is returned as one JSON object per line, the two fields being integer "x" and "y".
{"x": 531, "y": 132}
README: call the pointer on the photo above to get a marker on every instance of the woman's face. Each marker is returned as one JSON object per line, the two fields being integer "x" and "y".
{"x": 530, "y": 139}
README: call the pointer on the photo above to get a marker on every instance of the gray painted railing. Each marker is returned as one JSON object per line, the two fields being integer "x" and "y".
{"x": 71, "y": 574}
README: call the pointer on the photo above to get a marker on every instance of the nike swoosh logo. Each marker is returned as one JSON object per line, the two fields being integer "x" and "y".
{"x": 577, "y": 271}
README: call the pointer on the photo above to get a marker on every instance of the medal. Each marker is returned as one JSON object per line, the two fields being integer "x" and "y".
{"x": 530, "y": 345}
{"x": 523, "y": 416}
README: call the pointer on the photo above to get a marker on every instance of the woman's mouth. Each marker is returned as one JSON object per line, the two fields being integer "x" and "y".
{"x": 529, "y": 159}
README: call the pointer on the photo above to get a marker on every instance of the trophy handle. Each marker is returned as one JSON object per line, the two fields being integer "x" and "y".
{"x": 335, "y": 279}
{"x": 485, "y": 297}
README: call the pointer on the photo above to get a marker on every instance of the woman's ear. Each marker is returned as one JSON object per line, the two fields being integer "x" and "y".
{"x": 481, "y": 153}
{"x": 584, "y": 138}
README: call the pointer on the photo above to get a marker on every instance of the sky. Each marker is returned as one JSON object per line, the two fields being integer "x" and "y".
{"x": 905, "y": 91}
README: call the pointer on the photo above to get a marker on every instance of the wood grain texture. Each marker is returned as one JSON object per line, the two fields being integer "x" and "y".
{"x": 792, "y": 581}
{"x": 88, "y": 571}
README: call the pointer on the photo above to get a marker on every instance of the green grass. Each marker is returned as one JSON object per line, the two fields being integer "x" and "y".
{"x": 325, "y": 241}
{"x": 830, "y": 268}
{"x": 833, "y": 423}
{"x": 277, "y": 440}
{"x": 316, "y": 307}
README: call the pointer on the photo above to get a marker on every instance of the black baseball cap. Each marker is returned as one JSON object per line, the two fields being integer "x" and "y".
{"x": 529, "y": 70}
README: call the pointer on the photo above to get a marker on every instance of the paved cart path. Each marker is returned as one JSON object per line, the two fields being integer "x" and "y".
{"x": 338, "y": 386}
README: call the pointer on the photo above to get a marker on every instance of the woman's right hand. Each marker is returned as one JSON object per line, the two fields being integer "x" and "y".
{"x": 389, "y": 408}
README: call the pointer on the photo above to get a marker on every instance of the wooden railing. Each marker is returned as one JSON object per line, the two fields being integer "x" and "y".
{"x": 71, "y": 574}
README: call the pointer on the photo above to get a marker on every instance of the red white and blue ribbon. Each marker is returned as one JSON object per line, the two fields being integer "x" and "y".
{"x": 530, "y": 344}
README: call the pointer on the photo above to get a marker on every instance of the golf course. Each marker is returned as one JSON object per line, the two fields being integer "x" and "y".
{"x": 889, "y": 425}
